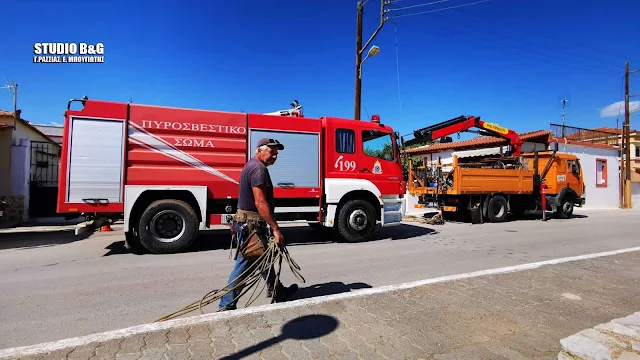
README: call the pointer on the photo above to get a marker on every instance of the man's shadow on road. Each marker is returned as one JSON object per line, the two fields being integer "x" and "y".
{"x": 329, "y": 288}
{"x": 302, "y": 328}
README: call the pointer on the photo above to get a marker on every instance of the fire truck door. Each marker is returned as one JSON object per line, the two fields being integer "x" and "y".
{"x": 376, "y": 159}
{"x": 296, "y": 173}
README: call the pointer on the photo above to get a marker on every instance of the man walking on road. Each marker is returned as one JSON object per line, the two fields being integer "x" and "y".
{"x": 256, "y": 203}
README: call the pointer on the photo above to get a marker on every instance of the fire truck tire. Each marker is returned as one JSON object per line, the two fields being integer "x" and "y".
{"x": 497, "y": 209}
{"x": 168, "y": 226}
{"x": 356, "y": 221}
{"x": 132, "y": 243}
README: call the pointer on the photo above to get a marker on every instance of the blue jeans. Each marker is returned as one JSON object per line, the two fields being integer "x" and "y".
{"x": 230, "y": 300}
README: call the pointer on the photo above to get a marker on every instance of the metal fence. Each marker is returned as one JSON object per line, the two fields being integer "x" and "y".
{"x": 585, "y": 135}
{"x": 43, "y": 185}
{"x": 45, "y": 163}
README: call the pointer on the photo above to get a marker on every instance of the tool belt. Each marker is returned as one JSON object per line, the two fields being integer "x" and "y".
{"x": 250, "y": 233}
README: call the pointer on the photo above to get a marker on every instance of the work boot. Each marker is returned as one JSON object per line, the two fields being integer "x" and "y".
{"x": 283, "y": 293}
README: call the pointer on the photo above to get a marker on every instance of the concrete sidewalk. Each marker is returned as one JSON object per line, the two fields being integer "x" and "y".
{"x": 520, "y": 312}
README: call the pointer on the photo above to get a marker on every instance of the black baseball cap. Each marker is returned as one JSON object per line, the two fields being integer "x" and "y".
{"x": 270, "y": 142}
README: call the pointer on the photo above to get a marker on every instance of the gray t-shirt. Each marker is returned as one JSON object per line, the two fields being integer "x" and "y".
{"x": 254, "y": 173}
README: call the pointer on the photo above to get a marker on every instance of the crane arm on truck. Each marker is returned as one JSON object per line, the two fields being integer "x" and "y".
{"x": 465, "y": 123}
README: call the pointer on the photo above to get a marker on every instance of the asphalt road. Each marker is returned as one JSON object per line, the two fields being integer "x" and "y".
{"x": 54, "y": 286}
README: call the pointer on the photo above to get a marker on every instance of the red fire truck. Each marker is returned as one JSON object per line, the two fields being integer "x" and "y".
{"x": 170, "y": 172}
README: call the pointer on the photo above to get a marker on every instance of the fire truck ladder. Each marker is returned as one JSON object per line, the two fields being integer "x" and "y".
{"x": 296, "y": 110}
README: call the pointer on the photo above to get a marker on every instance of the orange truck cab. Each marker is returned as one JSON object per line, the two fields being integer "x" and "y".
{"x": 564, "y": 180}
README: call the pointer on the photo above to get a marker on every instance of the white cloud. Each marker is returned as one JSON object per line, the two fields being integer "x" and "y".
{"x": 617, "y": 109}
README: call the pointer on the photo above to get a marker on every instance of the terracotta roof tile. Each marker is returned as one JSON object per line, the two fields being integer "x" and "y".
{"x": 601, "y": 133}
{"x": 480, "y": 142}
{"x": 608, "y": 129}
{"x": 25, "y": 122}
{"x": 597, "y": 133}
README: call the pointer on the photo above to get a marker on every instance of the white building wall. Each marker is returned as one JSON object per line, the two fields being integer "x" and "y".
{"x": 606, "y": 197}
{"x": 20, "y": 175}
{"x": 22, "y": 131}
{"x": 635, "y": 195}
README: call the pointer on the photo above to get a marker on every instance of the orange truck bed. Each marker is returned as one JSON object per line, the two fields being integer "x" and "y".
{"x": 486, "y": 181}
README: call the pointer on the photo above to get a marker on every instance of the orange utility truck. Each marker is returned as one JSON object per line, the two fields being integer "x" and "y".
{"x": 493, "y": 186}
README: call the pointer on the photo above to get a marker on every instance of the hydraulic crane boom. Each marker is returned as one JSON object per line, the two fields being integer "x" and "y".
{"x": 465, "y": 123}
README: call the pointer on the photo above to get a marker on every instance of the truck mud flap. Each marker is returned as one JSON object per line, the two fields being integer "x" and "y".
{"x": 552, "y": 201}
{"x": 476, "y": 215}
{"x": 391, "y": 212}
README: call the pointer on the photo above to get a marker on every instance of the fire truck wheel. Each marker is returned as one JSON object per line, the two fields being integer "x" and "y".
{"x": 168, "y": 226}
{"x": 356, "y": 221}
{"x": 497, "y": 209}
{"x": 132, "y": 243}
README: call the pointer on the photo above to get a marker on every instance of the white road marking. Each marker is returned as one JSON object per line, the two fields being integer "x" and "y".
{"x": 197, "y": 319}
{"x": 571, "y": 296}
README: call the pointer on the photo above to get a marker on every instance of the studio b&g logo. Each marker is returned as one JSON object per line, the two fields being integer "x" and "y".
{"x": 68, "y": 53}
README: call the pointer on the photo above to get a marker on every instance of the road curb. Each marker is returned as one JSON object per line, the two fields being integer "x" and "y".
{"x": 617, "y": 339}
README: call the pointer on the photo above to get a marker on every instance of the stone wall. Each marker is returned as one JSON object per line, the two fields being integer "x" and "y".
{"x": 15, "y": 212}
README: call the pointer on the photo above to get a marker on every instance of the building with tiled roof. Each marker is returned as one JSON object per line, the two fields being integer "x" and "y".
{"x": 29, "y": 162}
{"x": 539, "y": 136}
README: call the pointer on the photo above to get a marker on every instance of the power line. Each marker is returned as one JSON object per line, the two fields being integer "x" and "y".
{"x": 533, "y": 44}
{"x": 477, "y": 30}
{"x": 532, "y": 52}
{"x": 621, "y": 99}
{"x": 441, "y": 9}
{"x": 609, "y": 66}
{"x": 395, "y": 29}
{"x": 420, "y": 5}
{"x": 517, "y": 27}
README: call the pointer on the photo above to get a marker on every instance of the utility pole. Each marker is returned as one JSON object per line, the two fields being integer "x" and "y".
{"x": 626, "y": 133}
{"x": 14, "y": 88}
{"x": 360, "y": 48}
{"x": 358, "y": 59}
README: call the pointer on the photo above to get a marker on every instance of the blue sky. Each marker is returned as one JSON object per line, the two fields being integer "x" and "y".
{"x": 508, "y": 61}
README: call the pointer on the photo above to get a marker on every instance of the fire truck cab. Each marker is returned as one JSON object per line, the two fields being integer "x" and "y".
{"x": 170, "y": 172}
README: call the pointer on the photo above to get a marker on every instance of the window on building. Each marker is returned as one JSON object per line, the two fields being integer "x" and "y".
{"x": 377, "y": 144}
{"x": 637, "y": 151}
{"x": 601, "y": 172}
{"x": 345, "y": 141}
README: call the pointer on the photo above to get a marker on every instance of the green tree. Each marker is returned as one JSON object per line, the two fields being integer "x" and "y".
{"x": 417, "y": 160}
{"x": 387, "y": 153}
